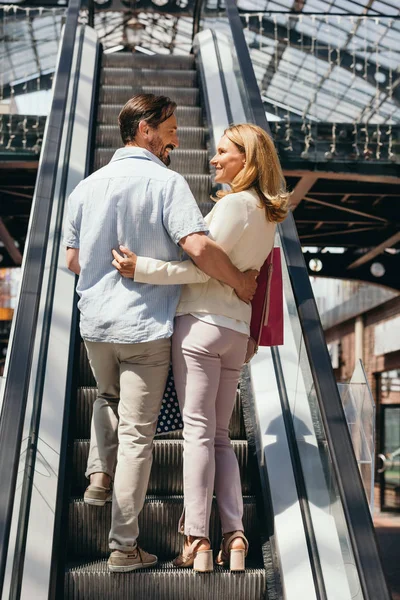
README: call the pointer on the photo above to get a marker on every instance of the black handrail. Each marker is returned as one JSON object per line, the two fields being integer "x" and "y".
{"x": 91, "y": 10}
{"x": 350, "y": 487}
{"x": 198, "y": 6}
{"x": 21, "y": 352}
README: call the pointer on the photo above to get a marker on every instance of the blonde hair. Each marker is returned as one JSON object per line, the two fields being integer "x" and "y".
{"x": 262, "y": 170}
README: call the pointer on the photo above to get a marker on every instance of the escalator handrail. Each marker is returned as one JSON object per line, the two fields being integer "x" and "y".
{"x": 351, "y": 490}
{"x": 21, "y": 352}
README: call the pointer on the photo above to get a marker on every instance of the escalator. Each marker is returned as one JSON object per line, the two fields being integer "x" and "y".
{"x": 88, "y": 527}
{"x": 305, "y": 512}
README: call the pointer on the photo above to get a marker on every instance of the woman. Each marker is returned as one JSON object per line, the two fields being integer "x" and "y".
{"x": 210, "y": 339}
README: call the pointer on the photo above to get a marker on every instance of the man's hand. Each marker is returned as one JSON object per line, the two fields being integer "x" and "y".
{"x": 126, "y": 264}
{"x": 248, "y": 285}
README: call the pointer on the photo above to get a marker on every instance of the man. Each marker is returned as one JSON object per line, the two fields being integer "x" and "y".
{"x": 126, "y": 326}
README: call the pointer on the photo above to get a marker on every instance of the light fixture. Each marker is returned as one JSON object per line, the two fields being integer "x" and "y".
{"x": 133, "y": 30}
{"x": 377, "y": 269}
{"x": 315, "y": 265}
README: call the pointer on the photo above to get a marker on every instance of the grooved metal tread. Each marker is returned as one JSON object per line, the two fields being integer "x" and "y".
{"x": 165, "y": 77}
{"x": 114, "y": 94}
{"x": 93, "y": 581}
{"x": 100, "y": 566}
{"x": 190, "y": 138}
{"x": 190, "y": 116}
{"x": 183, "y": 161}
{"x": 163, "y": 478}
{"x": 89, "y": 527}
{"x": 87, "y": 395}
{"x": 157, "y": 61}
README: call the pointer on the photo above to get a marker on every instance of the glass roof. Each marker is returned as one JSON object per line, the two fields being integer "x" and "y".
{"x": 338, "y": 64}
{"x": 29, "y": 40}
{"x": 336, "y": 67}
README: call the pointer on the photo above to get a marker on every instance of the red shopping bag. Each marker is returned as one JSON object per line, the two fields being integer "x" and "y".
{"x": 266, "y": 327}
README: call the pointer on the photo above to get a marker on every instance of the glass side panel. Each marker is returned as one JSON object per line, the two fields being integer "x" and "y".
{"x": 333, "y": 545}
{"x": 359, "y": 408}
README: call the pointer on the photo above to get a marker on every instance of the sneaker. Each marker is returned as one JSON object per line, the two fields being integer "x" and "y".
{"x": 97, "y": 495}
{"x": 130, "y": 561}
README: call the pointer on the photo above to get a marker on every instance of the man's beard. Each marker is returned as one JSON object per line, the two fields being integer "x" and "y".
{"x": 160, "y": 152}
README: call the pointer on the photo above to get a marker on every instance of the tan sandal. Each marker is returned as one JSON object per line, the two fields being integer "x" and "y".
{"x": 200, "y": 560}
{"x": 230, "y": 556}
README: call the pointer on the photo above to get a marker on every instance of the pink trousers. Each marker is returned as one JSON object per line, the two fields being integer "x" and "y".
{"x": 207, "y": 361}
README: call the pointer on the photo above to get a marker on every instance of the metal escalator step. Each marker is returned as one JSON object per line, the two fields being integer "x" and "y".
{"x": 183, "y": 161}
{"x": 87, "y": 395}
{"x": 143, "y": 61}
{"x": 200, "y": 186}
{"x": 158, "y": 523}
{"x": 119, "y": 94}
{"x": 190, "y": 161}
{"x": 167, "y": 472}
{"x": 86, "y": 377}
{"x": 206, "y": 207}
{"x": 193, "y": 138}
{"x": 159, "y": 77}
{"x": 92, "y": 581}
{"x": 187, "y": 116}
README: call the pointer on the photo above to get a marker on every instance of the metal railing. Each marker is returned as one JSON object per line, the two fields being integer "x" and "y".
{"x": 21, "y": 353}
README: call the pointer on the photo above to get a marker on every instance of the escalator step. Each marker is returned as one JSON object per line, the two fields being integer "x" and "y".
{"x": 167, "y": 471}
{"x": 200, "y": 186}
{"x": 158, "y": 523}
{"x": 143, "y": 61}
{"x": 165, "y": 77}
{"x": 184, "y": 161}
{"x": 84, "y": 404}
{"x": 86, "y": 379}
{"x": 187, "y": 116}
{"x": 206, "y": 207}
{"x": 92, "y": 581}
{"x": 113, "y": 94}
{"x": 189, "y": 137}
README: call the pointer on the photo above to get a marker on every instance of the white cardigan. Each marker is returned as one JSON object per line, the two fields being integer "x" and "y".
{"x": 238, "y": 224}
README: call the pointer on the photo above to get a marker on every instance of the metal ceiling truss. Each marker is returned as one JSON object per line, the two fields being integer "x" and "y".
{"x": 360, "y": 213}
{"x": 16, "y": 193}
{"x": 337, "y": 266}
{"x": 322, "y": 52}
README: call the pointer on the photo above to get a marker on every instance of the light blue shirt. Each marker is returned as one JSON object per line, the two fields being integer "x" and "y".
{"x": 134, "y": 201}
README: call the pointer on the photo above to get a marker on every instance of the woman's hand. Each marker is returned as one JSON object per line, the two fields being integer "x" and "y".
{"x": 126, "y": 264}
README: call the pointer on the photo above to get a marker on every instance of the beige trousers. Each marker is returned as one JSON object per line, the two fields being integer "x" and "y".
{"x": 131, "y": 380}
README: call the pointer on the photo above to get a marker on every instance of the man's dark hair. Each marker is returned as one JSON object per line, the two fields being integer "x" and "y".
{"x": 143, "y": 107}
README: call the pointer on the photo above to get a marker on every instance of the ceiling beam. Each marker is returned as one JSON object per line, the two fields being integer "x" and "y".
{"x": 302, "y": 188}
{"x": 353, "y": 230}
{"x": 9, "y": 243}
{"x": 335, "y": 265}
{"x": 343, "y": 176}
{"x": 18, "y": 194}
{"x": 375, "y": 251}
{"x": 356, "y": 194}
{"x": 346, "y": 209}
{"x": 320, "y": 218}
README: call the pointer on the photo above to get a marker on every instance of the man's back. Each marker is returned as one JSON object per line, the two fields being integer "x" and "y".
{"x": 136, "y": 202}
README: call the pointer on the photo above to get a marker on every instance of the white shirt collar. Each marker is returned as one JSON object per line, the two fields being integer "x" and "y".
{"x": 136, "y": 152}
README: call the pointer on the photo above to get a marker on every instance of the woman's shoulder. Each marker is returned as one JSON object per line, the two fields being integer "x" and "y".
{"x": 238, "y": 200}
{"x": 248, "y": 194}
